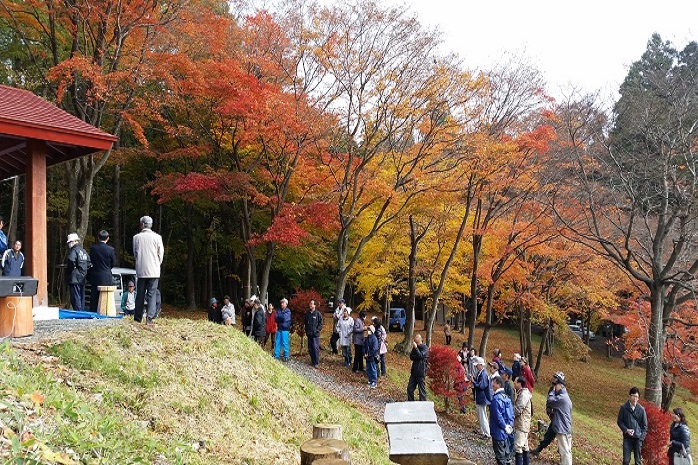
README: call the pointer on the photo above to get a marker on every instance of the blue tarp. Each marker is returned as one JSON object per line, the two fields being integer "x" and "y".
{"x": 74, "y": 315}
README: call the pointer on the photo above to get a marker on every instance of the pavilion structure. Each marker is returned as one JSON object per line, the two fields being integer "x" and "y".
{"x": 36, "y": 134}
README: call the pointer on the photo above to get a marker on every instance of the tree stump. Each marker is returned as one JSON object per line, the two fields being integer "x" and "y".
{"x": 331, "y": 462}
{"x": 315, "y": 449}
{"x": 327, "y": 431}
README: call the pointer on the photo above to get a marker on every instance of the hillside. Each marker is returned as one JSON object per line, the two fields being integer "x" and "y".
{"x": 184, "y": 392}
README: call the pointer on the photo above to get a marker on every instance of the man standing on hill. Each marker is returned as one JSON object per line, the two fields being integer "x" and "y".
{"x": 419, "y": 357}
{"x": 313, "y": 328}
{"x": 501, "y": 422}
{"x": 338, "y": 312}
{"x": 149, "y": 252}
{"x": 632, "y": 421}
{"x": 559, "y": 408}
{"x": 103, "y": 260}
{"x": 283, "y": 322}
{"x": 77, "y": 262}
{"x": 481, "y": 387}
{"x": 523, "y": 413}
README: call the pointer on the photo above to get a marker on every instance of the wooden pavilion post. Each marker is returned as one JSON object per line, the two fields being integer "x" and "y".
{"x": 36, "y": 251}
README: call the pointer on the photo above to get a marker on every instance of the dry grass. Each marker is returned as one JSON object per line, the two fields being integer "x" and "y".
{"x": 192, "y": 382}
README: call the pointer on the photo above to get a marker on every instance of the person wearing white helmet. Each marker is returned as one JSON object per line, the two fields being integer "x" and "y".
{"x": 77, "y": 262}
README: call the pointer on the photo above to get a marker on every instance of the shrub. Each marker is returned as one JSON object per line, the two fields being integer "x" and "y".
{"x": 654, "y": 449}
{"x": 299, "y": 304}
{"x": 444, "y": 369}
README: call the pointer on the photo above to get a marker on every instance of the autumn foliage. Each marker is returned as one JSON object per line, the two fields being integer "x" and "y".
{"x": 654, "y": 449}
{"x": 443, "y": 372}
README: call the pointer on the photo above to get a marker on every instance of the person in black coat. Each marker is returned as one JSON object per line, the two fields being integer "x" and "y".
{"x": 313, "y": 327}
{"x": 259, "y": 322}
{"x": 679, "y": 435}
{"x": 419, "y": 357}
{"x": 77, "y": 262}
{"x": 103, "y": 259}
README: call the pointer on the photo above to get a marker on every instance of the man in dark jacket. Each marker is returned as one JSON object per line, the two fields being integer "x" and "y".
{"x": 419, "y": 357}
{"x": 77, "y": 262}
{"x": 103, "y": 259}
{"x": 632, "y": 421}
{"x": 283, "y": 322}
{"x": 13, "y": 260}
{"x": 259, "y": 323}
{"x": 313, "y": 327}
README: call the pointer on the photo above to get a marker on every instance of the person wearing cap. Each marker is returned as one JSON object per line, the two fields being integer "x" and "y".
{"x": 501, "y": 422}
{"x": 559, "y": 407}
{"x": 313, "y": 328}
{"x": 128, "y": 299}
{"x": 345, "y": 329}
{"x": 481, "y": 386}
{"x": 214, "y": 311}
{"x": 419, "y": 356}
{"x": 77, "y": 262}
{"x": 632, "y": 421}
{"x": 103, "y": 259}
{"x": 523, "y": 414}
{"x": 149, "y": 252}
{"x": 371, "y": 354}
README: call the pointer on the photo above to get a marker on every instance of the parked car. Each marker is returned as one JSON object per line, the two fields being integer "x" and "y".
{"x": 576, "y": 329}
{"x": 398, "y": 317}
{"x": 120, "y": 278}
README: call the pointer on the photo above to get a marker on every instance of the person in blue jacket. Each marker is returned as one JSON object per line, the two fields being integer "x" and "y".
{"x": 283, "y": 322}
{"x": 501, "y": 423}
{"x": 481, "y": 386}
{"x": 13, "y": 260}
{"x": 679, "y": 435}
{"x": 371, "y": 354}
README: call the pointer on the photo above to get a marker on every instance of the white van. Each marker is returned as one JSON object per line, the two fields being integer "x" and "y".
{"x": 120, "y": 278}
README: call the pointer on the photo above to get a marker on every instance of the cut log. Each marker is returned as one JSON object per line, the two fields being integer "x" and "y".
{"x": 331, "y": 462}
{"x": 315, "y": 449}
{"x": 327, "y": 431}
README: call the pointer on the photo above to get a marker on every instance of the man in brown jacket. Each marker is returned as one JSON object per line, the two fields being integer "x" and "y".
{"x": 523, "y": 412}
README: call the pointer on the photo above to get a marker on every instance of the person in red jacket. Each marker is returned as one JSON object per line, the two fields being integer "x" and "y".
{"x": 527, "y": 374}
{"x": 271, "y": 326}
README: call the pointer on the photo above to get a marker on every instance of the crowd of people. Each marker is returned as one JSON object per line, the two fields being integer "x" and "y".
{"x": 502, "y": 395}
{"x": 265, "y": 324}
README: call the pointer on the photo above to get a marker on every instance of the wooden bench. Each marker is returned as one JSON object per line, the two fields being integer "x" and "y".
{"x": 414, "y": 436}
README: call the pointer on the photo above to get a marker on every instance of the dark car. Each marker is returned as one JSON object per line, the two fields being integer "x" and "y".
{"x": 398, "y": 317}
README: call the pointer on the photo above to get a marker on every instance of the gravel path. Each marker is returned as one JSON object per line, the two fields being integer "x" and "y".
{"x": 352, "y": 388}
{"x": 49, "y": 329}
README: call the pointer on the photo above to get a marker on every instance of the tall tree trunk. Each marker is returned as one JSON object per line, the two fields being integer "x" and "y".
{"x": 191, "y": 281}
{"x": 653, "y": 362}
{"x": 477, "y": 246}
{"x": 116, "y": 218}
{"x": 81, "y": 174}
{"x": 541, "y": 349}
{"x": 266, "y": 270}
{"x": 490, "y": 320}
{"x": 343, "y": 272}
{"x": 406, "y": 345}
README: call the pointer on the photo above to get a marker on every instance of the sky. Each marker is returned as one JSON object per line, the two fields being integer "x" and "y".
{"x": 589, "y": 44}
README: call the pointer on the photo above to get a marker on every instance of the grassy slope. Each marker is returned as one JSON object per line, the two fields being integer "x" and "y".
{"x": 153, "y": 394}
